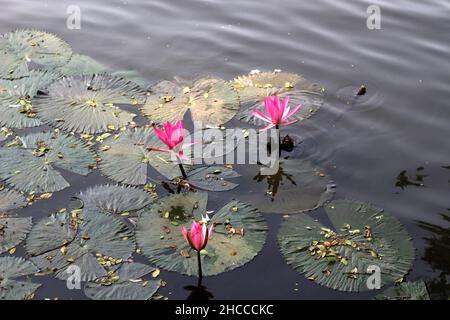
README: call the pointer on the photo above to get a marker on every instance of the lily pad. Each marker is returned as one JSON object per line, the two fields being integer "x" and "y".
{"x": 11, "y": 288}
{"x": 16, "y": 99}
{"x": 216, "y": 143}
{"x": 363, "y": 238}
{"x": 22, "y": 49}
{"x": 10, "y": 200}
{"x": 94, "y": 244}
{"x": 13, "y": 230}
{"x": 114, "y": 200}
{"x": 239, "y": 234}
{"x": 297, "y": 186}
{"x": 416, "y": 290}
{"x": 81, "y": 64}
{"x": 124, "y": 284}
{"x": 213, "y": 178}
{"x": 253, "y": 88}
{"x": 126, "y": 160}
{"x": 212, "y": 102}
{"x": 87, "y": 103}
{"x": 31, "y": 165}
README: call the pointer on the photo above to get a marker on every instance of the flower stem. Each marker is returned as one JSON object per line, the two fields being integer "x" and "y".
{"x": 183, "y": 173}
{"x": 277, "y": 127}
{"x": 200, "y": 274}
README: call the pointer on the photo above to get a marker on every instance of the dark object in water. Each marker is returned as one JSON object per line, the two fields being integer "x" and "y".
{"x": 287, "y": 144}
{"x": 362, "y": 90}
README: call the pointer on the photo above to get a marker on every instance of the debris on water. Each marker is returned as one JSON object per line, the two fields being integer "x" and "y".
{"x": 362, "y": 90}
{"x": 287, "y": 144}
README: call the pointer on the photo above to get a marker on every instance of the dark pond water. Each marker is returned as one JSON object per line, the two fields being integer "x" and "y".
{"x": 374, "y": 149}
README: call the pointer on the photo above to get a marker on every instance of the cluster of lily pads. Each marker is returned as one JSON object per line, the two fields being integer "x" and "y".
{"x": 87, "y": 118}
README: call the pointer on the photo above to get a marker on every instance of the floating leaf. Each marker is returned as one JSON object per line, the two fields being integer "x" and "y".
{"x": 253, "y": 88}
{"x": 10, "y": 200}
{"x": 21, "y": 48}
{"x": 127, "y": 160}
{"x": 31, "y": 166}
{"x": 81, "y": 64}
{"x": 217, "y": 143}
{"x": 115, "y": 200}
{"x": 13, "y": 230}
{"x": 16, "y": 99}
{"x": 126, "y": 284}
{"x": 11, "y": 288}
{"x": 297, "y": 186}
{"x": 211, "y": 101}
{"x": 213, "y": 178}
{"x": 363, "y": 237}
{"x": 93, "y": 244}
{"x": 239, "y": 234}
{"x": 416, "y": 290}
{"x": 87, "y": 103}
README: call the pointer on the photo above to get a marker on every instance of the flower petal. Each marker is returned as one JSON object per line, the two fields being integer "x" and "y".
{"x": 258, "y": 114}
{"x": 292, "y": 112}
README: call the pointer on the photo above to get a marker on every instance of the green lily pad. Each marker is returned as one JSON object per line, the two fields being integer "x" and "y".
{"x": 212, "y": 102}
{"x": 127, "y": 159}
{"x": 297, "y": 186}
{"x": 124, "y": 284}
{"x": 213, "y": 178}
{"x": 13, "y": 230}
{"x": 253, "y": 88}
{"x": 16, "y": 99}
{"x": 94, "y": 244}
{"x": 21, "y": 48}
{"x": 31, "y": 165}
{"x": 87, "y": 103}
{"x": 81, "y": 64}
{"x": 10, "y": 200}
{"x": 114, "y": 200}
{"x": 216, "y": 143}
{"x": 341, "y": 258}
{"x": 11, "y": 288}
{"x": 416, "y": 290}
{"x": 239, "y": 234}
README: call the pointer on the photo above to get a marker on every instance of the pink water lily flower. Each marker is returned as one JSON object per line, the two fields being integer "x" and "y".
{"x": 278, "y": 113}
{"x": 172, "y": 135}
{"x": 198, "y": 236}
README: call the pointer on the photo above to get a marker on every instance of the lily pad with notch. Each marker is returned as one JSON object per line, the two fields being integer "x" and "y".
{"x": 88, "y": 103}
{"x": 82, "y": 64}
{"x": 217, "y": 143}
{"x": 26, "y": 49}
{"x": 253, "y": 88}
{"x": 13, "y": 230}
{"x": 94, "y": 243}
{"x": 32, "y": 164}
{"x": 239, "y": 234}
{"x": 343, "y": 257}
{"x": 127, "y": 158}
{"x": 211, "y": 101}
{"x": 17, "y": 96}
{"x": 213, "y": 178}
{"x": 124, "y": 284}
{"x": 416, "y": 290}
{"x": 13, "y": 286}
{"x": 296, "y": 186}
{"x": 114, "y": 200}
